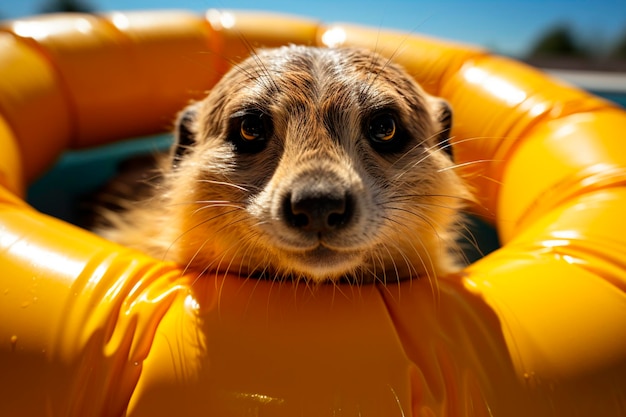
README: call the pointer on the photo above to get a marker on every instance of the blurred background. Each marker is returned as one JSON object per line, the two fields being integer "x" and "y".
{"x": 581, "y": 41}
{"x": 589, "y": 34}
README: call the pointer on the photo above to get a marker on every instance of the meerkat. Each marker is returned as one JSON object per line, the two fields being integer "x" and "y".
{"x": 311, "y": 163}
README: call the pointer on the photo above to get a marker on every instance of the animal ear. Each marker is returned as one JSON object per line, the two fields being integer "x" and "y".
{"x": 184, "y": 136}
{"x": 443, "y": 118}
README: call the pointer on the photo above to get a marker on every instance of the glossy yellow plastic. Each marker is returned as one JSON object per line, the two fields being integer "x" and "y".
{"x": 89, "y": 328}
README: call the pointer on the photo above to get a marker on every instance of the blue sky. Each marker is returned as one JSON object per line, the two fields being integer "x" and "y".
{"x": 505, "y": 26}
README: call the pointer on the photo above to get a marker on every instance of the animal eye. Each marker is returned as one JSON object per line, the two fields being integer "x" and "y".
{"x": 252, "y": 128}
{"x": 385, "y": 133}
{"x": 249, "y": 131}
{"x": 382, "y": 128}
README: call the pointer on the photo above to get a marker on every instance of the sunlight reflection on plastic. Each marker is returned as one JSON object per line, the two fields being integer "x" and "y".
{"x": 220, "y": 20}
{"x": 537, "y": 109}
{"x": 553, "y": 243}
{"x": 470, "y": 283}
{"x": 191, "y": 303}
{"x": 83, "y": 26}
{"x": 120, "y": 20}
{"x": 33, "y": 30}
{"x": 602, "y": 169}
{"x": 334, "y": 37}
{"x": 40, "y": 31}
{"x": 259, "y": 398}
{"x": 47, "y": 260}
{"x": 570, "y": 259}
{"x": 148, "y": 298}
{"x": 499, "y": 87}
{"x": 566, "y": 234}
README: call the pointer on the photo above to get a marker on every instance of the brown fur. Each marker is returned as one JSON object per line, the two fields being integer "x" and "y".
{"x": 218, "y": 209}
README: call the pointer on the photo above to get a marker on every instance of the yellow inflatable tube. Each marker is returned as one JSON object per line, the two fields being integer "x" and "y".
{"x": 89, "y": 328}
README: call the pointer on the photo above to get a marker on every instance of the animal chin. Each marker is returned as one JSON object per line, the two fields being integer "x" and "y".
{"x": 323, "y": 263}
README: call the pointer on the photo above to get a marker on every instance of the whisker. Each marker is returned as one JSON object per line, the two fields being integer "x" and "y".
{"x": 189, "y": 230}
{"x": 413, "y": 196}
{"x": 397, "y": 400}
{"x": 201, "y": 202}
{"x": 227, "y": 184}
{"x": 428, "y": 154}
{"x": 424, "y": 220}
{"x": 260, "y": 65}
{"x": 395, "y": 267}
{"x": 469, "y": 163}
{"x": 211, "y": 206}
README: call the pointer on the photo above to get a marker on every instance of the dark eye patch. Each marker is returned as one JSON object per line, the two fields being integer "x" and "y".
{"x": 445, "y": 117}
{"x": 185, "y": 138}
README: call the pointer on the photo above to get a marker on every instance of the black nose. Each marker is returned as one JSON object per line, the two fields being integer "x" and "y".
{"x": 318, "y": 211}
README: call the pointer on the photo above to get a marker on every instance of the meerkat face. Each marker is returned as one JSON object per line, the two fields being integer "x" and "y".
{"x": 316, "y": 163}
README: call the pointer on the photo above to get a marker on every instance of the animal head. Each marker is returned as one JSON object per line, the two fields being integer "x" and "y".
{"x": 316, "y": 163}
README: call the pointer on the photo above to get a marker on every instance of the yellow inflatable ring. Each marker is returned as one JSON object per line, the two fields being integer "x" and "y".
{"x": 89, "y": 328}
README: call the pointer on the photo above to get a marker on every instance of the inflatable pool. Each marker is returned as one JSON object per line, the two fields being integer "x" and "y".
{"x": 90, "y": 328}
